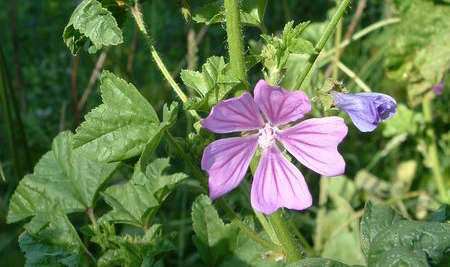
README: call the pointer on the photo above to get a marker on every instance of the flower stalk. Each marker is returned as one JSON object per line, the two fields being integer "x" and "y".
{"x": 290, "y": 245}
{"x": 322, "y": 41}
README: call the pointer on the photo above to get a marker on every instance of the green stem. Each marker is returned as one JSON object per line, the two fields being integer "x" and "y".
{"x": 322, "y": 41}
{"x": 287, "y": 240}
{"x": 247, "y": 230}
{"x": 337, "y": 55}
{"x": 235, "y": 40}
{"x": 307, "y": 247}
{"x": 432, "y": 148}
{"x": 137, "y": 15}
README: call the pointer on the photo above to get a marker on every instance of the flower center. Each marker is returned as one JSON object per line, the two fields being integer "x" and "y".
{"x": 267, "y": 135}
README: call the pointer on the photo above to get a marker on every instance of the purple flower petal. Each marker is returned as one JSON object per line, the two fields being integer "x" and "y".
{"x": 278, "y": 183}
{"x": 226, "y": 162}
{"x": 234, "y": 115}
{"x": 314, "y": 143}
{"x": 280, "y": 106}
{"x": 366, "y": 110}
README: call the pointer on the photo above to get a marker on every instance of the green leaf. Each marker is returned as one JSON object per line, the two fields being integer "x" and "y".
{"x": 91, "y": 21}
{"x": 62, "y": 176}
{"x": 252, "y": 12}
{"x": 121, "y": 127}
{"x": 430, "y": 238}
{"x": 213, "y": 84}
{"x": 388, "y": 240}
{"x": 212, "y": 237}
{"x": 376, "y": 218}
{"x": 137, "y": 201}
{"x": 209, "y": 14}
{"x": 317, "y": 262}
{"x": 51, "y": 240}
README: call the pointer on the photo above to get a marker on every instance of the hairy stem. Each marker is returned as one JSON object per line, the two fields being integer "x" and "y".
{"x": 432, "y": 148}
{"x": 287, "y": 240}
{"x": 337, "y": 55}
{"x": 137, "y": 15}
{"x": 322, "y": 41}
{"x": 235, "y": 40}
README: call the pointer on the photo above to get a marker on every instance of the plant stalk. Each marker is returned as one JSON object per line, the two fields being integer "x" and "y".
{"x": 287, "y": 240}
{"x": 322, "y": 41}
{"x": 137, "y": 15}
{"x": 337, "y": 55}
{"x": 235, "y": 40}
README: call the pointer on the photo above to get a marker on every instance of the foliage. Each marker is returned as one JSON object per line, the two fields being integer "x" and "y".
{"x": 126, "y": 188}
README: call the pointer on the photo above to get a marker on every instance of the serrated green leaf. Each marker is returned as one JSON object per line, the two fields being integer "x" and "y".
{"x": 91, "y": 21}
{"x": 252, "y": 12}
{"x": 121, "y": 127}
{"x": 137, "y": 201}
{"x": 62, "y": 176}
{"x": 51, "y": 240}
{"x": 213, "y": 84}
{"x": 376, "y": 219}
{"x": 317, "y": 262}
{"x": 212, "y": 237}
{"x": 300, "y": 46}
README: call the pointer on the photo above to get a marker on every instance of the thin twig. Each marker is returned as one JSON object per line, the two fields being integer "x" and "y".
{"x": 94, "y": 75}
{"x": 62, "y": 121}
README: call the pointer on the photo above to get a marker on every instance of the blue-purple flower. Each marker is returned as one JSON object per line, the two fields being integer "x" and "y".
{"x": 366, "y": 110}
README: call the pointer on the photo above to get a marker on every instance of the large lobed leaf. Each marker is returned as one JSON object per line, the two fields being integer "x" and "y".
{"x": 137, "y": 201}
{"x": 388, "y": 240}
{"x": 62, "y": 176}
{"x": 90, "y": 21}
{"x": 122, "y": 126}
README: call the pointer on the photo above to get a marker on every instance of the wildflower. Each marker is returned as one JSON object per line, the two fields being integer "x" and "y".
{"x": 438, "y": 88}
{"x": 366, "y": 110}
{"x": 277, "y": 182}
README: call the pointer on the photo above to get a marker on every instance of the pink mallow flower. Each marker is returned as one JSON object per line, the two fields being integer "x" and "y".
{"x": 277, "y": 182}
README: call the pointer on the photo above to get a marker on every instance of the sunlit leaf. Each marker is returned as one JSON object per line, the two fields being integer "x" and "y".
{"x": 90, "y": 21}
{"x": 62, "y": 176}
{"x": 121, "y": 127}
{"x": 137, "y": 201}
